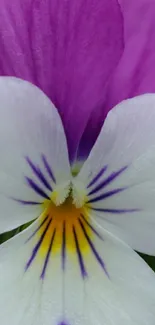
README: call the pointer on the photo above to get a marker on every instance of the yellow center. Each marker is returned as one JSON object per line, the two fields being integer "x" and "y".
{"x": 66, "y": 220}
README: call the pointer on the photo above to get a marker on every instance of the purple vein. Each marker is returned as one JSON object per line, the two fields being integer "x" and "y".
{"x": 91, "y": 227}
{"x": 48, "y": 255}
{"x": 27, "y": 202}
{"x": 36, "y": 248}
{"x": 99, "y": 259}
{"x": 37, "y": 171}
{"x": 38, "y": 228}
{"x": 95, "y": 179}
{"x": 115, "y": 211}
{"x": 63, "y": 245}
{"x": 106, "y": 195}
{"x": 37, "y": 188}
{"x": 80, "y": 258}
{"x": 48, "y": 168}
{"x": 108, "y": 180}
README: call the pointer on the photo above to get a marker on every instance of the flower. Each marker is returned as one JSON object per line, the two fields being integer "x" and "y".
{"x": 72, "y": 265}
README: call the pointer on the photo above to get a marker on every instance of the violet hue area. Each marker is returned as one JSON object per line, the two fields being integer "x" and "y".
{"x": 134, "y": 74}
{"x": 69, "y": 49}
{"x": 80, "y": 53}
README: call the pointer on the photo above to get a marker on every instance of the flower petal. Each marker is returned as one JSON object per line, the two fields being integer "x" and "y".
{"x": 34, "y": 157}
{"x": 64, "y": 297}
{"x": 120, "y": 174}
{"x": 67, "y": 48}
{"x": 124, "y": 297}
{"x": 134, "y": 74}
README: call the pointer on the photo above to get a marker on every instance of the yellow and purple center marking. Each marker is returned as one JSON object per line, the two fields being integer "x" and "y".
{"x": 64, "y": 229}
{"x": 65, "y": 226}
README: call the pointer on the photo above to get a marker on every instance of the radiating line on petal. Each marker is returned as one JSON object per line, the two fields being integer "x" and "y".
{"x": 108, "y": 180}
{"x": 106, "y": 195}
{"x": 95, "y": 179}
{"x": 26, "y": 202}
{"x": 37, "y": 188}
{"x": 99, "y": 259}
{"x": 38, "y": 228}
{"x": 80, "y": 258}
{"x": 64, "y": 245}
{"x": 91, "y": 227}
{"x": 48, "y": 255}
{"x": 37, "y": 171}
{"x": 48, "y": 168}
{"x": 115, "y": 210}
{"x": 36, "y": 248}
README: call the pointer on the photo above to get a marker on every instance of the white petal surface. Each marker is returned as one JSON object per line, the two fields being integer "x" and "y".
{"x": 31, "y": 137}
{"x": 120, "y": 173}
{"x": 126, "y": 297}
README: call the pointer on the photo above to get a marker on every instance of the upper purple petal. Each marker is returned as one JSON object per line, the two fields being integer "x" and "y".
{"x": 135, "y": 73}
{"x": 68, "y": 48}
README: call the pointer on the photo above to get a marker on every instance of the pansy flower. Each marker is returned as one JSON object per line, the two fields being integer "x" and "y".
{"x": 75, "y": 263}
{"x": 72, "y": 265}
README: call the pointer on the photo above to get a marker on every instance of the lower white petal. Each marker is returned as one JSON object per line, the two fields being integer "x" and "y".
{"x": 107, "y": 283}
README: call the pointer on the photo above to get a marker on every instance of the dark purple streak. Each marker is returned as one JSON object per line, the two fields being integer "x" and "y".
{"x": 64, "y": 246}
{"x": 37, "y": 188}
{"x": 27, "y": 202}
{"x": 37, "y": 171}
{"x": 48, "y": 255}
{"x": 36, "y": 248}
{"x": 115, "y": 211}
{"x": 91, "y": 227}
{"x": 48, "y": 168}
{"x": 108, "y": 180}
{"x": 106, "y": 195}
{"x": 80, "y": 258}
{"x": 38, "y": 228}
{"x": 99, "y": 259}
{"x": 95, "y": 179}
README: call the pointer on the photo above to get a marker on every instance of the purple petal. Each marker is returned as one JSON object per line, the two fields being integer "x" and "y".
{"x": 135, "y": 73}
{"x": 136, "y": 70}
{"x": 67, "y": 48}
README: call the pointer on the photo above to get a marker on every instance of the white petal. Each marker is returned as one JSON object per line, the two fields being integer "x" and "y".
{"x": 31, "y": 133}
{"x": 120, "y": 173}
{"x": 125, "y": 296}
{"x": 128, "y": 297}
